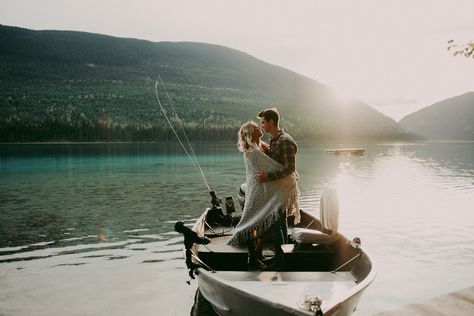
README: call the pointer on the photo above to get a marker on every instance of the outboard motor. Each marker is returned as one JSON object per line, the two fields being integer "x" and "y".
{"x": 241, "y": 195}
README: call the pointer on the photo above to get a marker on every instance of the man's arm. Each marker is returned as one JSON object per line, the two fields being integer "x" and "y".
{"x": 289, "y": 162}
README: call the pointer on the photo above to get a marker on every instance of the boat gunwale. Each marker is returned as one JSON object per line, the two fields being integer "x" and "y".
{"x": 337, "y": 302}
{"x": 360, "y": 287}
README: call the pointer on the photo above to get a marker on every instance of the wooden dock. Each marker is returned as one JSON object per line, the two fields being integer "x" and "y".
{"x": 351, "y": 151}
{"x": 456, "y": 303}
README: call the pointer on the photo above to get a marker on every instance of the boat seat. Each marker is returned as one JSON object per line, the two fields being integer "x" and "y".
{"x": 312, "y": 236}
{"x": 223, "y": 257}
{"x": 329, "y": 215}
{"x": 314, "y": 258}
{"x": 219, "y": 245}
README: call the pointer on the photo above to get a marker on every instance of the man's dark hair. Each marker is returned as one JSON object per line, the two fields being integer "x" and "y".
{"x": 270, "y": 114}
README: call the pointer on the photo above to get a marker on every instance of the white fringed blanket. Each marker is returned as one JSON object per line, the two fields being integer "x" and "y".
{"x": 264, "y": 199}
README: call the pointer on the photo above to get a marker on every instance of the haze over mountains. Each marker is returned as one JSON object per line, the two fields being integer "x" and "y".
{"x": 450, "y": 119}
{"x": 75, "y": 86}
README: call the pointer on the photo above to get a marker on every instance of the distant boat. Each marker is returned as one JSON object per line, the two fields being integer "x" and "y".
{"x": 352, "y": 151}
{"x": 324, "y": 273}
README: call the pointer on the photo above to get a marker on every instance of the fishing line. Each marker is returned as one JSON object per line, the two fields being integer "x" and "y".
{"x": 194, "y": 161}
{"x": 182, "y": 128}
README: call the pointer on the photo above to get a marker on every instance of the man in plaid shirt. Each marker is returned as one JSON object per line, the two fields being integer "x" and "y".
{"x": 283, "y": 150}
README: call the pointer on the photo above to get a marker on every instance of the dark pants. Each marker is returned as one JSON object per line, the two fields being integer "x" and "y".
{"x": 279, "y": 233}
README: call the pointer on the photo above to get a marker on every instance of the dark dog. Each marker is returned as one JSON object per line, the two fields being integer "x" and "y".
{"x": 190, "y": 238}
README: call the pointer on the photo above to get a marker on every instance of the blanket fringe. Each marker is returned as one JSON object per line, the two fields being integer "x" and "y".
{"x": 291, "y": 207}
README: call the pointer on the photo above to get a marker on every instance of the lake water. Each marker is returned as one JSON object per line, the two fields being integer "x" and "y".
{"x": 87, "y": 229}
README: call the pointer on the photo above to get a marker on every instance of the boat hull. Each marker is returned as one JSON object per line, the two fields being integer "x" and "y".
{"x": 338, "y": 274}
{"x": 227, "y": 300}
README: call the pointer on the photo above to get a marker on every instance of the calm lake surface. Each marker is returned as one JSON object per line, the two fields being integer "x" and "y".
{"x": 87, "y": 229}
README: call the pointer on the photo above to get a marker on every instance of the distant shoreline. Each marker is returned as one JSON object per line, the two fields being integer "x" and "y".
{"x": 230, "y": 141}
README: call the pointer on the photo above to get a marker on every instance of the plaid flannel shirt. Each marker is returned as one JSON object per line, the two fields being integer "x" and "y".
{"x": 283, "y": 150}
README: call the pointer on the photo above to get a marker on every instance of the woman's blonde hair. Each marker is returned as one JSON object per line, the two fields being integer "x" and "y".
{"x": 244, "y": 136}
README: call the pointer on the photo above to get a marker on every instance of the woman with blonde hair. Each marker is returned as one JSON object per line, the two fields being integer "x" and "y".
{"x": 262, "y": 199}
{"x": 249, "y": 137}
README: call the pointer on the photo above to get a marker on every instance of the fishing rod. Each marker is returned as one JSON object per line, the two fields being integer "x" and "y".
{"x": 215, "y": 201}
{"x": 190, "y": 237}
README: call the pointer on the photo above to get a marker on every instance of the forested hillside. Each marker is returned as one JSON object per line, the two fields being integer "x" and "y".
{"x": 75, "y": 86}
{"x": 450, "y": 119}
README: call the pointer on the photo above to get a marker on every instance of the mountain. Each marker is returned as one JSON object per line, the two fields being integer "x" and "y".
{"x": 76, "y": 86}
{"x": 450, "y": 119}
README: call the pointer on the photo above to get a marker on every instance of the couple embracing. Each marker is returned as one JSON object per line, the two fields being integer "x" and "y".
{"x": 271, "y": 188}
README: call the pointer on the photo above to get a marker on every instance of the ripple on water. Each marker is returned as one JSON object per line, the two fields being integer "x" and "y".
{"x": 147, "y": 245}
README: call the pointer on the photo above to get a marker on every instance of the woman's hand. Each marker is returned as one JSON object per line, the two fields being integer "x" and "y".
{"x": 261, "y": 176}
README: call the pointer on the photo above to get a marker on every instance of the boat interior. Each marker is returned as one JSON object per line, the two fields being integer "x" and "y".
{"x": 301, "y": 254}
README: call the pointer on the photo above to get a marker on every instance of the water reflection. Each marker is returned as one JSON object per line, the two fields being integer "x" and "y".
{"x": 91, "y": 212}
{"x": 201, "y": 306}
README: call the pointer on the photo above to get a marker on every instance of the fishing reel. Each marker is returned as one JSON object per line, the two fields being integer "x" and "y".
{"x": 216, "y": 203}
{"x": 216, "y": 214}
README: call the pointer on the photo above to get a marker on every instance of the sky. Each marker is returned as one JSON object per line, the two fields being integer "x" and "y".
{"x": 391, "y": 55}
